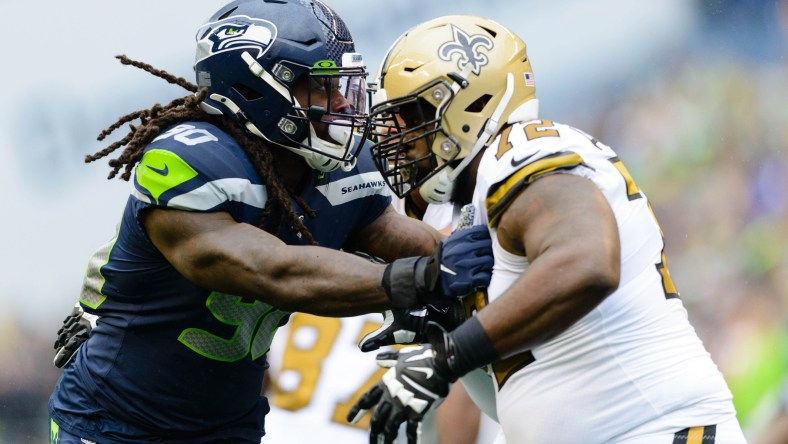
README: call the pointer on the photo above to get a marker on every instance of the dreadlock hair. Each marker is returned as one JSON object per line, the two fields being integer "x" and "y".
{"x": 153, "y": 120}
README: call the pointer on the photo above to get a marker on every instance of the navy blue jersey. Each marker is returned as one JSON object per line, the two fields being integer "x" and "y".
{"x": 170, "y": 361}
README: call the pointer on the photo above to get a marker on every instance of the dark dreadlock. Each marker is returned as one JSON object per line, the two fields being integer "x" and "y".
{"x": 156, "y": 118}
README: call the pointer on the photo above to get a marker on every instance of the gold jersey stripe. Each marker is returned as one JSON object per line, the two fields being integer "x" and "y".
{"x": 502, "y": 194}
{"x": 696, "y": 435}
{"x": 511, "y": 365}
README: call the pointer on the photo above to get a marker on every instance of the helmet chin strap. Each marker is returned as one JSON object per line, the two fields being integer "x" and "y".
{"x": 316, "y": 160}
{"x": 438, "y": 188}
{"x": 316, "y": 157}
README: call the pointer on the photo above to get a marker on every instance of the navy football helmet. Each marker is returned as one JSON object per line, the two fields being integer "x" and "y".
{"x": 259, "y": 57}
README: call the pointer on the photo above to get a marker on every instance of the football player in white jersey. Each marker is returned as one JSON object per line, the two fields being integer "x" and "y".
{"x": 582, "y": 327}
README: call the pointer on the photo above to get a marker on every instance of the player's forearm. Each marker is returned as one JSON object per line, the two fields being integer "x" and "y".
{"x": 219, "y": 254}
{"x": 409, "y": 238}
{"x": 393, "y": 236}
{"x": 307, "y": 279}
{"x": 325, "y": 282}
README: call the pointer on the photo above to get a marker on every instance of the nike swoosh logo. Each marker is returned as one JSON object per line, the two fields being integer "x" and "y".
{"x": 163, "y": 171}
{"x": 516, "y": 163}
{"x": 448, "y": 270}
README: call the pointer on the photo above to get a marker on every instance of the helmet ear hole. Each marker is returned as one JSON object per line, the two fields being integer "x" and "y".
{"x": 416, "y": 113}
{"x": 478, "y": 105}
{"x": 246, "y": 92}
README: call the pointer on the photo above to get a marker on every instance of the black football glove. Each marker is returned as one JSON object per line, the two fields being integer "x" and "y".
{"x": 414, "y": 383}
{"x": 75, "y": 331}
{"x": 419, "y": 377}
{"x": 461, "y": 264}
{"x": 406, "y": 326}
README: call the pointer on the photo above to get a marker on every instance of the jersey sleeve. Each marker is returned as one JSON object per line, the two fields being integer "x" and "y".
{"x": 196, "y": 167}
{"x": 502, "y": 193}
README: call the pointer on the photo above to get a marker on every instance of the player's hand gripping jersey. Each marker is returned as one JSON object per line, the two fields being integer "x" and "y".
{"x": 627, "y": 359}
{"x": 213, "y": 345}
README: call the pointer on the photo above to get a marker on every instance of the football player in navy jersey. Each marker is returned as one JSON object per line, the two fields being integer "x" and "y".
{"x": 243, "y": 192}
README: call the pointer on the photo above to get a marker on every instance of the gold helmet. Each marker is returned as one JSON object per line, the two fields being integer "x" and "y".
{"x": 448, "y": 84}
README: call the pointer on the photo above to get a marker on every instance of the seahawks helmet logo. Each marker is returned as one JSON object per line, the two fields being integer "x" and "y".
{"x": 234, "y": 33}
{"x": 467, "y": 47}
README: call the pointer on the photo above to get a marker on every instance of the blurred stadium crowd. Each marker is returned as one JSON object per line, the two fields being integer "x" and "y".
{"x": 705, "y": 135}
{"x": 707, "y": 139}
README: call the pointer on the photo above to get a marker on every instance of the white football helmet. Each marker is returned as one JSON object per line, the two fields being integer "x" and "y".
{"x": 444, "y": 90}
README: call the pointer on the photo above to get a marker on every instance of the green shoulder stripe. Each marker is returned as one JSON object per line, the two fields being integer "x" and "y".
{"x": 161, "y": 170}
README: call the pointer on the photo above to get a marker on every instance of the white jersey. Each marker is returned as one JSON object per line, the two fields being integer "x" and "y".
{"x": 633, "y": 366}
{"x": 318, "y": 374}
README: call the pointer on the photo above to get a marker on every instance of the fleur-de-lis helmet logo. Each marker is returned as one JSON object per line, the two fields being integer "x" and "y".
{"x": 468, "y": 48}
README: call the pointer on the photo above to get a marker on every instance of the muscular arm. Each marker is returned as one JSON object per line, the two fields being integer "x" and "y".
{"x": 565, "y": 227}
{"x": 393, "y": 236}
{"x": 216, "y": 252}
